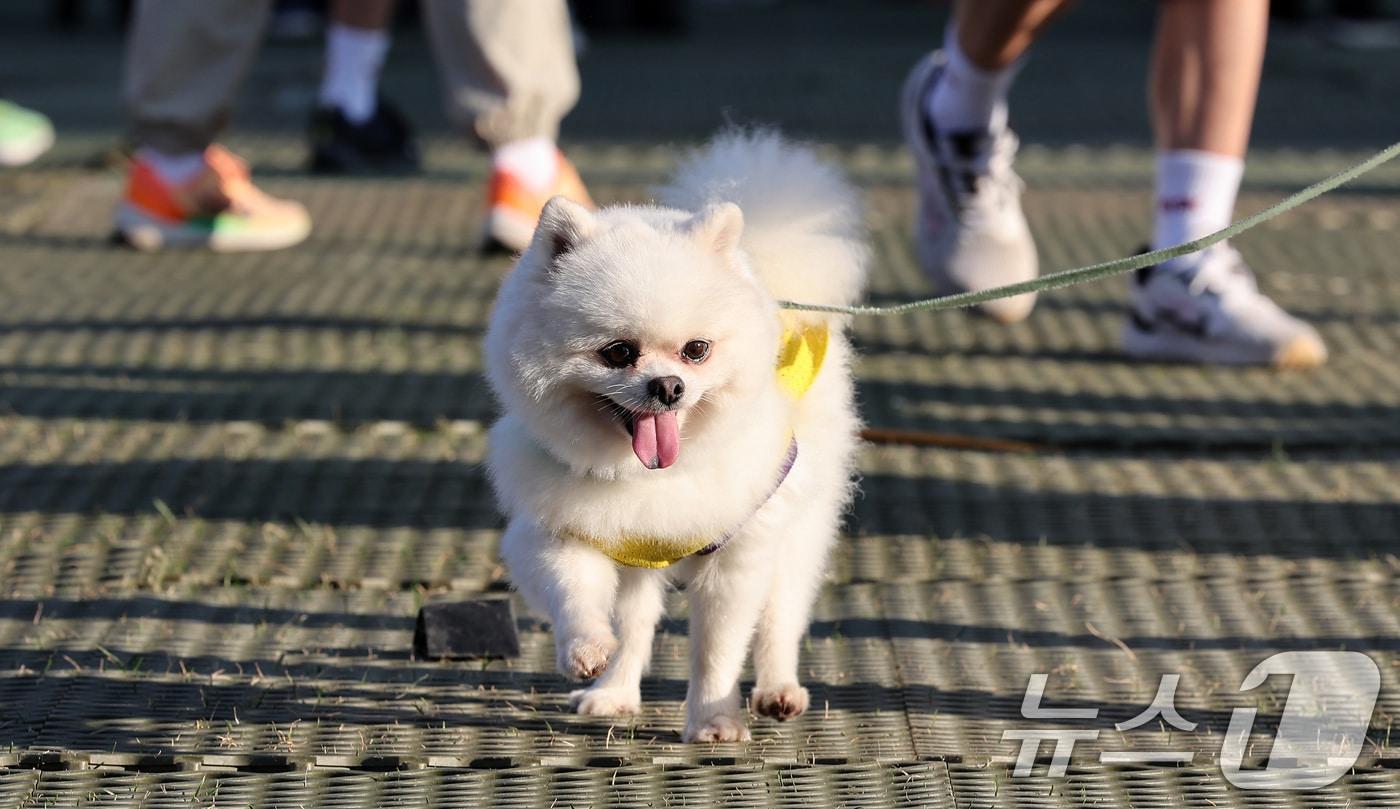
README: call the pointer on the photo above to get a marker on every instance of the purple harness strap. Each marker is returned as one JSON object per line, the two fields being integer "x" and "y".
{"x": 783, "y": 471}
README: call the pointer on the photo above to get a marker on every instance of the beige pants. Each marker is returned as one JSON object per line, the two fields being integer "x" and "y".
{"x": 507, "y": 66}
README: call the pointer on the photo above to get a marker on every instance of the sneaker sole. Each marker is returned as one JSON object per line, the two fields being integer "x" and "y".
{"x": 1300, "y": 353}
{"x": 146, "y": 233}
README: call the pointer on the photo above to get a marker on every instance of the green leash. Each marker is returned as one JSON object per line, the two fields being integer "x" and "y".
{"x": 1096, "y": 271}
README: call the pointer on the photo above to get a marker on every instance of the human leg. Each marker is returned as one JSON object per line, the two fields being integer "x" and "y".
{"x": 184, "y": 62}
{"x": 353, "y": 128}
{"x": 1206, "y": 306}
{"x": 510, "y": 78}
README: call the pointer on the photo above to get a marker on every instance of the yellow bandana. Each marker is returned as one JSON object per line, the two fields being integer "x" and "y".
{"x": 801, "y": 351}
{"x": 643, "y": 551}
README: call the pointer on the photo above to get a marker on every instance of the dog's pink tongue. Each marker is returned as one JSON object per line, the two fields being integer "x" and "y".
{"x": 656, "y": 438}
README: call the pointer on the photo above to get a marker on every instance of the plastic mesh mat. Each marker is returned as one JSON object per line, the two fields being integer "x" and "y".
{"x": 274, "y": 677}
{"x": 993, "y": 788}
{"x": 325, "y": 678}
{"x": 915, "y": 784}
{"x": 906, "y": 784}
{"x": 93, "y": 505}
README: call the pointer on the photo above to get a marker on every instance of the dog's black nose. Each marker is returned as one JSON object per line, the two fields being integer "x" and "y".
{"x": 666, "y": 389}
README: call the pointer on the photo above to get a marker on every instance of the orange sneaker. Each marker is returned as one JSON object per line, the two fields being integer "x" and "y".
{"x": 514, "y": 207}
{"x": 219, "y": 208}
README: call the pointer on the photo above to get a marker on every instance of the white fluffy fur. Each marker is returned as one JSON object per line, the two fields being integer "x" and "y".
{"x": 698, "y": 268}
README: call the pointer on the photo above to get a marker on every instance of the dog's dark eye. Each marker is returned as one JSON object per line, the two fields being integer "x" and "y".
{"x": 620, "y": 354}
{"x": 696, "y": 350}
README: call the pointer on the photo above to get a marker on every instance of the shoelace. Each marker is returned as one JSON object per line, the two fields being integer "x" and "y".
{"x": 996, "y": 185}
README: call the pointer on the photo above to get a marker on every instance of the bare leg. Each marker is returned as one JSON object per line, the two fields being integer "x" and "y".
{"x": 1205, "y": 80}
{"x": 637, "y": 609}
{"x": 1205, "y": 73}
{"x": 995, "y": 33}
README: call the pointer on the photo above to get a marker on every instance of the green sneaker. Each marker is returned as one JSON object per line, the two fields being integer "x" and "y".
{"x": 24, "y": 134}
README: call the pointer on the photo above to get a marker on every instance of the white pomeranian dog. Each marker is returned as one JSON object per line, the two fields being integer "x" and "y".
{"x": 665, "y": 421}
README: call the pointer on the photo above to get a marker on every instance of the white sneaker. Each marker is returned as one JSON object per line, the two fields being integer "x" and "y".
{"x": 1211, "y": 310}
{"x": 970, "y": 233}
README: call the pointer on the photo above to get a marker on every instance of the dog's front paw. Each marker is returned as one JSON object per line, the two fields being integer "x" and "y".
{"x": 717, "y": 729}
{"x": 585, "y": 658}
{"x": 597, "y": 701}
{"x": 783, "y": 702}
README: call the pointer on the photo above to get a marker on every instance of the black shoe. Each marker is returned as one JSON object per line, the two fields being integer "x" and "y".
{"x": 384, "y": 143}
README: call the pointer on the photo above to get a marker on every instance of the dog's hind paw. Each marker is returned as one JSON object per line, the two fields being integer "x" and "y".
{"x": 586, "y": 658}
{"x": 717, "y": 729}
{"x": 597, "y": 701}
{"x": 783, "y": 702}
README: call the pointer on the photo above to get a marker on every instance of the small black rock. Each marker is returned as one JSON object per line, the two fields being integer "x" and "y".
{"x": 467, "y": 629}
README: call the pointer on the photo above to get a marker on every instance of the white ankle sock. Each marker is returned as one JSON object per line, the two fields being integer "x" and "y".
{"x": 175, "y": 169}
{"x": 966, "y": 97}
{"x": 534, "y": 160}
{"x": 350, "y": 82}
{"x": 1195, "y": 197}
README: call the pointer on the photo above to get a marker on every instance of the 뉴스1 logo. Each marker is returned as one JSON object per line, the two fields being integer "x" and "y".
{"x": 1320, "y": 734}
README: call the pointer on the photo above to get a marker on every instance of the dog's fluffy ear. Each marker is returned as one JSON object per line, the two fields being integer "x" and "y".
{"x": 563, "y": 225}
{"x": 719, "y": 227}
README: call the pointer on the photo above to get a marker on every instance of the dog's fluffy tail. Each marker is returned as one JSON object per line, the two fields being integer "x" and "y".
{"x": 803, "y": 227}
